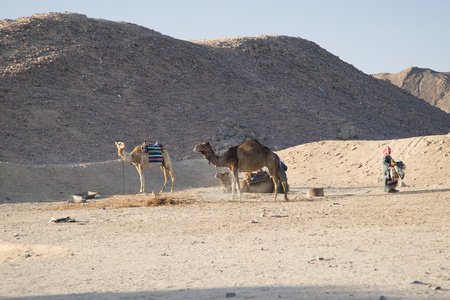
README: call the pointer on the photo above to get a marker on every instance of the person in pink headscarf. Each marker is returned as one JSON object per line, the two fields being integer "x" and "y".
{"x": 389, "y": 183}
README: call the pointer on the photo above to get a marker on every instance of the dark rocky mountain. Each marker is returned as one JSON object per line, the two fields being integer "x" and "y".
{"x": 70, "y": 86}
{"x": 431, "y": 86}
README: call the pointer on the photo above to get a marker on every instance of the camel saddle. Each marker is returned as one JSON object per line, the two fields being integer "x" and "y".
{"x": 255, "y": 178}
{"x": 154, "y": 154}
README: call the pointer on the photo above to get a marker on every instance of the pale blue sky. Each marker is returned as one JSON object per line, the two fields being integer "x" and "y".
{"x": 375, "y": 36}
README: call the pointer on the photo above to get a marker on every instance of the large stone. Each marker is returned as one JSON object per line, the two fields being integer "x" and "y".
{"x": 315, "y": 192}
{"x": 346, "y": 133}
{"x": 229, "y": 122}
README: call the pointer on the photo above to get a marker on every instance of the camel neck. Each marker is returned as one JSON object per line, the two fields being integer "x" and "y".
{"x": 127, "y": 157}
{"x": 214, "y": 159}
{"x": 210, "y": 156}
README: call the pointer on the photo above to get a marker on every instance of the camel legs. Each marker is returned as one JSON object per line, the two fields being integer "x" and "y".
{"x": 235, "y": 184}
{"x": 284, "y": 184}
{"x": 277, "y": 178}
{"x": 140, "y": 170}
{"x": 166, "y": 178}
{"x": 173, "y": 179}
{"x": 276, "y": 182}
{"x": 167, "y": 172}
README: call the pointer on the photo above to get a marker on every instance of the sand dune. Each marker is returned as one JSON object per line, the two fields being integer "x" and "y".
{"x": 353, "y": 163}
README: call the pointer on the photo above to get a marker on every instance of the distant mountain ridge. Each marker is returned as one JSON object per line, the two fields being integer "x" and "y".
{"x": 70, "y": 86}
{"x": 431, "y": 86}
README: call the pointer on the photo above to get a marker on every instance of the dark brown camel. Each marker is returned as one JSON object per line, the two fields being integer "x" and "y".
{"x": 250, "y": 156}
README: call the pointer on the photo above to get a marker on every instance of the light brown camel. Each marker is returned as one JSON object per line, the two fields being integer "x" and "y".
{"x": 249, "y": 156}
{"x": 225, "y": 181}
{"x": 264, "y": 186}
{"x": 139, "y": 158}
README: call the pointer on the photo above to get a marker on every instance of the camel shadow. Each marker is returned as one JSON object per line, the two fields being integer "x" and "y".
{"x": 267, "y": 292}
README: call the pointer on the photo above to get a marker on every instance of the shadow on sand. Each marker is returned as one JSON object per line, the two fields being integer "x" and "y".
{"x": 341, "y": 192}
{"x": 300, "y": 292}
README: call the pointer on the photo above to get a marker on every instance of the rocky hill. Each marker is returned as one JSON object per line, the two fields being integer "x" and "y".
{"x": 431, "y": 86}
{"x": 70, "y": 86}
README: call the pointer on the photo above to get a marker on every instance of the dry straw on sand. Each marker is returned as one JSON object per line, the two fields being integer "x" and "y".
{"x": 125, "y": 202}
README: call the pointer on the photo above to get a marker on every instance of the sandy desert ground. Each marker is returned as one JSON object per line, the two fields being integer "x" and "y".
{"x": 356, "y": 242}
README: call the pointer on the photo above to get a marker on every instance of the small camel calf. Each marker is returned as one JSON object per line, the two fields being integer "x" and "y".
{"x": 265, "y": 186}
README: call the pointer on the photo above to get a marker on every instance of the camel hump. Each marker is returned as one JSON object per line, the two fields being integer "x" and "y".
{"x": 251, "y": 145}
{"x": 252, "y": 142}
{"x": 267, "y": 150}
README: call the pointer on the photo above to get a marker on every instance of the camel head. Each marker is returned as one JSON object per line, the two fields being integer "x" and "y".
{"x": 203, "y": 148}
{"x": 120, "y": 145}
{"x": 207, "y": 151}
{"x": 120, "y": 150}
{"x": 225, "y": 181}
{"x": 224, "y": 177}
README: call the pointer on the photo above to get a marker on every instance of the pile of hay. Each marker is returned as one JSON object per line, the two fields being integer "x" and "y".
{"x": 126, "y": 201}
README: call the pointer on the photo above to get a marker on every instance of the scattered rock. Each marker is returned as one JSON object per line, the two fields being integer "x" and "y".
{"x": 419, "y": 282}
{"x": 272, "y": 215}
{"x": 229, "y": 122}
{"x": 232, "y": 133}
{"x": 62, "y": 220}
{"x": 230, "y": 295}
{"x": 315, "y": 192}
{"x": 346, "y": 133}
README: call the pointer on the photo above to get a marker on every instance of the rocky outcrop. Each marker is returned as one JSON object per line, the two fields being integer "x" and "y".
{"x": 431, "y": 86}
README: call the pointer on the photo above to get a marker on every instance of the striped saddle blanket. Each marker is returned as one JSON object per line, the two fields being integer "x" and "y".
{"x": 154, "y": 154}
